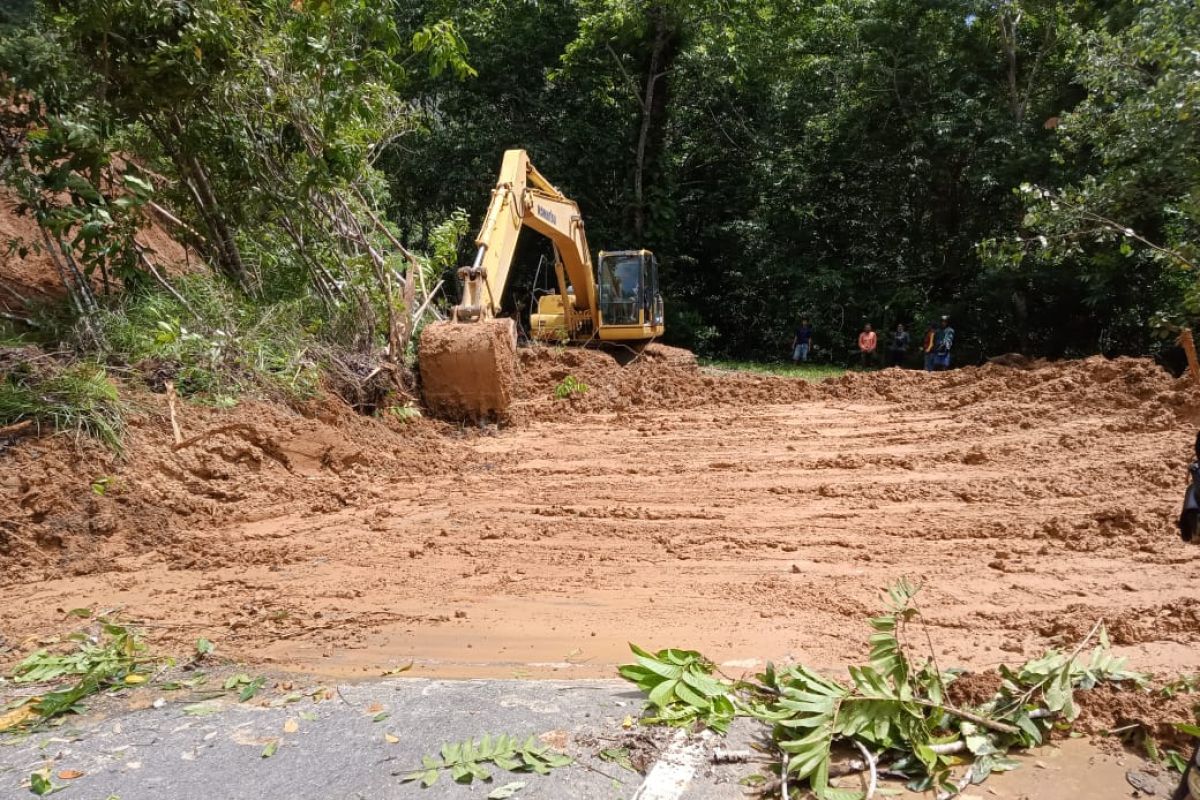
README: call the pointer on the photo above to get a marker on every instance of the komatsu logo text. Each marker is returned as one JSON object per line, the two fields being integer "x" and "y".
{"x": 547, "y": 215}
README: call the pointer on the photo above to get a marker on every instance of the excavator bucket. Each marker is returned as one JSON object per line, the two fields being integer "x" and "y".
{"x": 468, "y": 369}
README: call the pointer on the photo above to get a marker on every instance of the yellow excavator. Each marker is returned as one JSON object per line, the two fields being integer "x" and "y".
{"x": 468, "y": 364}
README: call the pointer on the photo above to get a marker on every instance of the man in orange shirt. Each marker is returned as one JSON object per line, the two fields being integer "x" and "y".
{"x": 867, "y": 341}
{"x": 930, "y": 341}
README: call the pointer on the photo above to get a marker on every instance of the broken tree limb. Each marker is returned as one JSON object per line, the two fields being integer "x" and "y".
{"x": 170, "y": 386}
{"x": 17, "y": 428}
{"x": 162, "y": 281}
{"x": 984, "y": 722}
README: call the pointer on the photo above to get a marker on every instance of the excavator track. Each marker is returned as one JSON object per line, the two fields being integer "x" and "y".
{"x": 468, "y": 369}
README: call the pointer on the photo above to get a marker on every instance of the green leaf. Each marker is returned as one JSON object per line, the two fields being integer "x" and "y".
{"x": 619, "y": 756}
{"x": 204, "y": 647}
{"x": 689, "y": 696}
{"x": 40, "y": 785}
{"x": 270, "y": 749}
{"x": 505, "y": 791}
{"x": 663, "y": 693}
{"x": 507, "y": 762}
{"x": 201, "y": 709}
{"x": 251, "y": 689}
{"x": 381, "y": 716}
{"x": 1188, "y": 729}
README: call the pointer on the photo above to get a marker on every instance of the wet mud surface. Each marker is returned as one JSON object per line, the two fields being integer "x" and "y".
{"x": 746, "y": 516}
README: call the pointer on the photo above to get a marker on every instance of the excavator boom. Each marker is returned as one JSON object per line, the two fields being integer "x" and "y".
{"x": 523, "y": 197}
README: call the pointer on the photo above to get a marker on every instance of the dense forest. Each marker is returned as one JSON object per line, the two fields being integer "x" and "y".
{"x": 1029, "y": 167}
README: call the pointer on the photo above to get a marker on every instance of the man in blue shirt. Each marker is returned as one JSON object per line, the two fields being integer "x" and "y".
{"x": 942, "y": 345}
{"x": 802, "y": 343}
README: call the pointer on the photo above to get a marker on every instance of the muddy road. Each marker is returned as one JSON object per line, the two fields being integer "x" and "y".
{"x": 749, "y": 518}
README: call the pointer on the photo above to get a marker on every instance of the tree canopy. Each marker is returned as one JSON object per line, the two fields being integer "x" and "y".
{"x": 1029, "y": 167}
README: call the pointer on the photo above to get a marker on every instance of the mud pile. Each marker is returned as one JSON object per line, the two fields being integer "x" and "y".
{"x": 659, "y": 378}
{"x": 1133, "y": 394}
{"x": 70, "y": 506}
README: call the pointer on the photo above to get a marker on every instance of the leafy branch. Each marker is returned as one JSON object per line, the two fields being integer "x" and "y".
{"x": 894, "y": 713}
{"x": 111, "y": 656}
{"x": 464, "y": 760}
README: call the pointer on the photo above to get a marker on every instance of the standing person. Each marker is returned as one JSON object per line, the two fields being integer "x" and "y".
{"x": 802, "y": 342}
{"x": 899, "y": 346}
{"x": 867, "y": 341}
{"x": 942, "y": 346}
{"x": 928, "y": 345}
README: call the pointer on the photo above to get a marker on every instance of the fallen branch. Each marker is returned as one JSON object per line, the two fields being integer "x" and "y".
{"x": 233, "y": 426}
{"x": 163, "y": 282}
{"x": 17, "y": 428}
{"x": 20, "y": 319}
{"x": 991, "y": 724}
{"x": 722, "y": 756}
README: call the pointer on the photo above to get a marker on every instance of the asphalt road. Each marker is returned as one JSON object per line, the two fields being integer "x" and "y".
{"x": 357, "y": 741}
{"x": 357, "y": 744}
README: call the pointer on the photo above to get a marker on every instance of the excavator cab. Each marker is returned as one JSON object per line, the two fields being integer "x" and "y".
{"x": 629, "y": 295}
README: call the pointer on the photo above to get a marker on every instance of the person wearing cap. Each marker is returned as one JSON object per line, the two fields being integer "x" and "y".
{"x": 928, "y": 345}
{"x": 943, "y": 342}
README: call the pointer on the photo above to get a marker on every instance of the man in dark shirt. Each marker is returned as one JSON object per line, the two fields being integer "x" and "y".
{"x": 802, "y": 343}
{"x": 942, "y": 346}
{"x": 898, "y": 349}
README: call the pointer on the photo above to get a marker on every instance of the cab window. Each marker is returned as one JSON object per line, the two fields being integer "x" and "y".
{"x": 621, "y": 289}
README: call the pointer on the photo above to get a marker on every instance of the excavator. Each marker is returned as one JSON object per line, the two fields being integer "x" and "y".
{"x": 468, "y": 363}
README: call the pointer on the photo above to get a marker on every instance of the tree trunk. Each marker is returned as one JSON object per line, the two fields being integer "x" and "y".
{"x": 220, "y": 245}
{"x": 658, "y": 55}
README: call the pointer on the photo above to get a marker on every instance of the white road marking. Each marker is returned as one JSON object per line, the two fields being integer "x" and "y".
{"x": 671, "y": 775}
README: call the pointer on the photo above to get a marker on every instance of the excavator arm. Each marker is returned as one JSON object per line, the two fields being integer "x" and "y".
{"x": 523, "y": 197}
{"x": 468, "y": 371}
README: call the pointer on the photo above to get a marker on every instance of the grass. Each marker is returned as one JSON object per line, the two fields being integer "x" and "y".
{"x": 79, "y": 397}
{"x": 808, "y": 372}
{"x": 220, "y": 345}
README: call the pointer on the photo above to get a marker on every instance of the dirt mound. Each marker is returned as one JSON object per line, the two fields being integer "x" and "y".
{"x": 1134, "y": 394}
{"x": 746, "y": 516}
{"x": 660, "y": 378}
{"x": 1175, "y": 621}
{"x": 1137, "y": 712}
{"x": 71, "y": 506}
